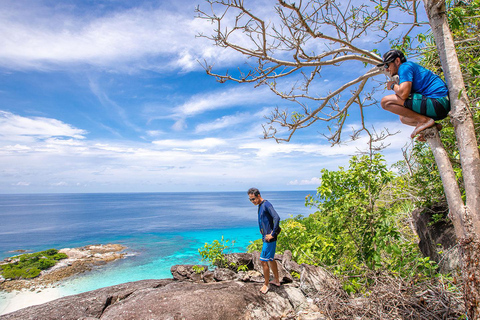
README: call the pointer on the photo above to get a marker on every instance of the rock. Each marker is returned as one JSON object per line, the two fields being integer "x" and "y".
{"x": 284, "y": 275}
{"x": 240, "y": 259}
{"x": 170, "y": 299}
{"x": 85, "y": 305}
{"x": 223, "y": 274}
{"x": 208, "y": 277}
{"x": 220, "y": 300}
{"x": 316, "y": 279}
{"x": 179, "y": 272}
{"x": 289, "y": 264}
{"x": 438, "y": 240}
{"x": 255, "y": 276}
{"x": 190, "y": 272}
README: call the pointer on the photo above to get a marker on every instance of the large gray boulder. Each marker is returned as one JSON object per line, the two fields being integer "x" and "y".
{"x": 169, "y": 299}
{"x": 85, "y": 305}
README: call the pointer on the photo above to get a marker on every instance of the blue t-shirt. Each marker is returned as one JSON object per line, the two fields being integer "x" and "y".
{"x": 424, "y": 81}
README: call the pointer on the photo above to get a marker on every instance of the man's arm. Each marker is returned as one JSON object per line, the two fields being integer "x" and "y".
{"x": 276, "y": 219}
{"x": 402, "y": 90}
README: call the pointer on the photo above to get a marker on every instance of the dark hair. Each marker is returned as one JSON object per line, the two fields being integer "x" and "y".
{"x": 253, "y": 191}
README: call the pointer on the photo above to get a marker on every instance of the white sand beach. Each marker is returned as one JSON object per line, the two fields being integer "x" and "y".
{"x": 13, "y": 301}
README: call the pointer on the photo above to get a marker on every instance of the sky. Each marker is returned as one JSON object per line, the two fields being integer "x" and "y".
{"x": 110, "y": 96}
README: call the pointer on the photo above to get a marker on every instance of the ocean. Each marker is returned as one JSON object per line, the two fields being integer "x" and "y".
{"x": 159, "y": 229}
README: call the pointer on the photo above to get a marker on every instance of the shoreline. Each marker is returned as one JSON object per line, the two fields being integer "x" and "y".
{"x": 21, "y": 293}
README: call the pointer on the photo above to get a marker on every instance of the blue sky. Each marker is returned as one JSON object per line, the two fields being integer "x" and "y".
{"x": 108, "y": 96}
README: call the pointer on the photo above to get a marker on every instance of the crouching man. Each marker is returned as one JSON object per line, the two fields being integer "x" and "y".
{"x": 420, "y": 98}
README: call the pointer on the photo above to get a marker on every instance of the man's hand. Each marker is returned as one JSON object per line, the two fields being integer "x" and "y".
{"x": 268, "y": 237}
{"x": 389, "y": 84}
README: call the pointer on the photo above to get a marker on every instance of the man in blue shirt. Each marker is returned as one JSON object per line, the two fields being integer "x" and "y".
{"x": 269, "y": 223}
{"x": 420, "y": 96}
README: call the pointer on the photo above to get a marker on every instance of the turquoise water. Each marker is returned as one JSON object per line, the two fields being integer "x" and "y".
{"x": 159, "y": 229}
{"x": 154, "y": 255}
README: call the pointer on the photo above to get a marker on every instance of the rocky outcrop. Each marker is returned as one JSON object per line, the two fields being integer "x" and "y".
{"x": 437, "y": 239}
{"x": 194, "y": 297}
{"x": 79, "y": 260}
{"x": 315, "y": 295}
{"x": 170, "y": 299}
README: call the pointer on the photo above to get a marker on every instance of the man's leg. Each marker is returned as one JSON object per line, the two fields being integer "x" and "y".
{"x": 266, "y": 275}
{"x": 274, "y": 267}
{"x": 268, "y": 255}
{"x": 394, "y": 104}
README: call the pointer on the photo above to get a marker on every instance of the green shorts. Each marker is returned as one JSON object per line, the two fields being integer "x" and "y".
{"x": 435, "y": 108}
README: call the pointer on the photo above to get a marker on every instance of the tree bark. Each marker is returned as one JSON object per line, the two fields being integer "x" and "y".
{"x": 452, "y": 191}
{"x": 460, "y": 114}
{"x": 462, "y": 121}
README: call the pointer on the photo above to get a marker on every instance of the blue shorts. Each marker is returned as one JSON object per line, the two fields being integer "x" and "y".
{"x": 268, "y": 251}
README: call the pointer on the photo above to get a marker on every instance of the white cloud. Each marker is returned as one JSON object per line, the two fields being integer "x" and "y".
{"x": 12, "y": 125}
{"x": 187, "y": 144}
{"x": 155, "y": 133}
{"x": 311, "y": 182}
{"x": 223, "y": 122}
{"x": 140, "y": 38}
{"x": 21, "y": 184}
{"x": 76, "y": 163}
{"x": 203, "y": 103}
{"x": 59, "y": 184}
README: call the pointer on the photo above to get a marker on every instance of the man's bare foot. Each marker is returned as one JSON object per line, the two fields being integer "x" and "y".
{"x": 422, "y": 126}
{"x": 264, "y": 289}
{"x": 275, "y": 283}
{"x": 421, "y": 136}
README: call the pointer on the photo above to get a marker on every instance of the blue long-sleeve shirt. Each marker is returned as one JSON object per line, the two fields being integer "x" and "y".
{"x": 268, "y": 220}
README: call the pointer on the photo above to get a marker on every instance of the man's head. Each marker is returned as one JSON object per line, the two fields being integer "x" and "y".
{"x": 392, "y": 60}
{"x": 254, "y": 195}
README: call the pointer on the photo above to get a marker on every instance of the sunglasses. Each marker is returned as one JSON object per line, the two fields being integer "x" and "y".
{"x": 252, "y": 199}
{"x": 387, "y": 64}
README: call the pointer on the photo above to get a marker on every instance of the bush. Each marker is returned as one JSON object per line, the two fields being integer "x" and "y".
{"x": 214, "y": 253}
{"x": 354, "y": 233}
{"x": 27, "y": 266}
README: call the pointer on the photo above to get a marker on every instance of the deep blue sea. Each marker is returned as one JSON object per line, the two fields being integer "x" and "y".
{"x": 159, "y": 229}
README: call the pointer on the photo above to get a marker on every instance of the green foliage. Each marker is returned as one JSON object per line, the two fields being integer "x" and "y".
{"x": 198, "y": 269}
{"x": 354, "y": 232}
{"x": 242, "y": 267}
{"x": 214, "y": 253}
{"x": 349, "y": 216}
{"x": 28, "y": 266}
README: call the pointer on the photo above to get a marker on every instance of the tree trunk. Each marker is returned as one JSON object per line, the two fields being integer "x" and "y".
{"x": 452, "y": 191}
{"x": 462, "y": 121}
{"x": 460, "y": 115}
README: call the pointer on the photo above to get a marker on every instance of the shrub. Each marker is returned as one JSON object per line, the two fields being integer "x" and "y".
{"x": 214, "y": 253}
{"x": 27, "y": 266}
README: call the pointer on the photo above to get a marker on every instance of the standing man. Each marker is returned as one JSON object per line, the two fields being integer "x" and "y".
{"x": 269, "y": 223}
{"x": 420, "y": 97}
